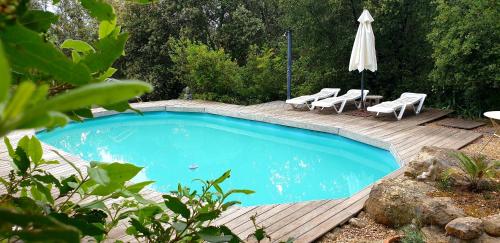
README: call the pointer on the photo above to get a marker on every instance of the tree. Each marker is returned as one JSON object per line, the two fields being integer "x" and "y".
{"x": 466, "y": 55}
{"x": 35, "y": 206}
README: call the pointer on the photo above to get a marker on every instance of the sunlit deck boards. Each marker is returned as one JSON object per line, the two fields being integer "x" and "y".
{"x": 303, "y": 221}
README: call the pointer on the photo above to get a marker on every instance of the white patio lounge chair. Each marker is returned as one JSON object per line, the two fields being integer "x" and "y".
{"x": 300, "y": 101}
{"x": 414, "y": 100}
{"x": 351, "y": 96}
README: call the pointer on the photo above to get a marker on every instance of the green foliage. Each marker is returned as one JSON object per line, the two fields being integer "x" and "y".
{"x": 466, "y": 55}
{"x": 79, "y": 209}
{"x": 229, "y": 25}
{"x": 27, "y": 56}
{"x": 445, "y": 180}
{"x": 37, "y": 206}
{"x": 212, "y": 75}
{"x": 189, "y": 218}
{"x": 412, "y": 235}
{"x": 476, "y": 168}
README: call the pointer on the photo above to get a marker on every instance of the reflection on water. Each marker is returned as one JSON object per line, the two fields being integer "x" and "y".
{"x": 281, "y": 164}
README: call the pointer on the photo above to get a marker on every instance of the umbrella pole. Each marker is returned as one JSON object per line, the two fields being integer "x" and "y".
{"x": 362, "y": 89}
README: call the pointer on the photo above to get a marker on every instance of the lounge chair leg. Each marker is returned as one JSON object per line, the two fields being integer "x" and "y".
{"x": 335, "y": 107}
{"x": 341, "y": 107}
{"x": 401, "y": 112}
{"x": 420, "y": 105}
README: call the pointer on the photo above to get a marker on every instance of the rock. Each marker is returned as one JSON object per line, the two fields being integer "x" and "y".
{"x": 395, "y": 202}
{"x": 485, "y": 238}
{"x": 399, "y": 201}
{"x": 356, "y": 222}
{"x": 432, "y": 172}
{"x": 434, "y": 234}
{"x": 492, "y": 224}
{"x": 439, "y": 211}
{"x": 465, "y": 228}
{"x": 440, "y": 159}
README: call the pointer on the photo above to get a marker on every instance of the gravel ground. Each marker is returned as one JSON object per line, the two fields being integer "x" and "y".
{"x": 371, "y": 232}
{"x": 488, "y": 145}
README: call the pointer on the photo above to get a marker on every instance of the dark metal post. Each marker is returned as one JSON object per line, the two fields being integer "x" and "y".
{"x": 362, "y": 89}
{"x": 289, "y": 67}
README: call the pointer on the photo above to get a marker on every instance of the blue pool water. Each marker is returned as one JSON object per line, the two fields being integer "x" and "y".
{"x": 281, "y": 164}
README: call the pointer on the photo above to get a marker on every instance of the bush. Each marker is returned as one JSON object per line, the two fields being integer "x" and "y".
{"x": 476, "y": 168}
{"x": 264, "y": 76}
{"x": 212, "y": 75}
{"x": 412, "y": 235}
{"x": 445, "y": 180}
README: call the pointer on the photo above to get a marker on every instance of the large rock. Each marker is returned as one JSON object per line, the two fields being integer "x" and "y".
{"x": 439, "y": 211}
{"x": 465, "y": 228}
{"x": 399, "y": 201}
{"x": 428, "y": 155}
{"x": 492, "y": 224}
{"x": 395, "y": 202}
{"x": 434, "y": 234}
{"x": 484, "y": 238}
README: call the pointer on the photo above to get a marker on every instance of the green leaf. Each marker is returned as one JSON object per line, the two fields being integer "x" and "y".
{"x": 75, "y": 56}
{"x": 136, "y": 188}
{"x": 259, "y": 234}
{"x": 43, "y": 228}
{"x": 45, "y": 191}
{"x": 241, "y": 191}
{"x": 5, "y": 77}
{"x": 20, "y": 100}
{"x": 176, "y": 206}
{"x": 107, "y": 51}
{"x": 11, "y": 151}
{"x": 179, "y": 226}
{"x": 213, "y": 234}
{"x": 138, "y": 227}
{"x": 38, "y": 20}
{"x": 50, "y": 120}
{"x": 100, "y": 176}
{"x": 77, "y": 45}
{"x": 85, "y": 227}
{"x": 106, "y": 28}
{"x": 21, "y": 162}
{"x": 47, "y": 179}
{"x": 65, "y": 187}
{"x": 99, "y": 9}
{"x": 223, "y": 177}
{"x": 27, "y": 51}
{"x": 107, "y": 74}
{"x": 229, "y": 204}
{"x": 35, "y": 150}
{"x": 202, "y": 217}
{"x": 148, "y": 212}
{"x": 98, "y": 94}
{"x": 4, "y": 182}
{"x": 120, "y": 107}
{"x": 120, "y": 172}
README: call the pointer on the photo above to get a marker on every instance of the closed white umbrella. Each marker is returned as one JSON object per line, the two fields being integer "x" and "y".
{"x": 363, "y": 56}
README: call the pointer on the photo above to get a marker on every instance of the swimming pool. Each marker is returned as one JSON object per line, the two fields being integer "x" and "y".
{"x": 282, "y": 164}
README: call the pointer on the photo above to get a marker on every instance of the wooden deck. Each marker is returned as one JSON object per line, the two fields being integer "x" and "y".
{"x": 305, "y": 221}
